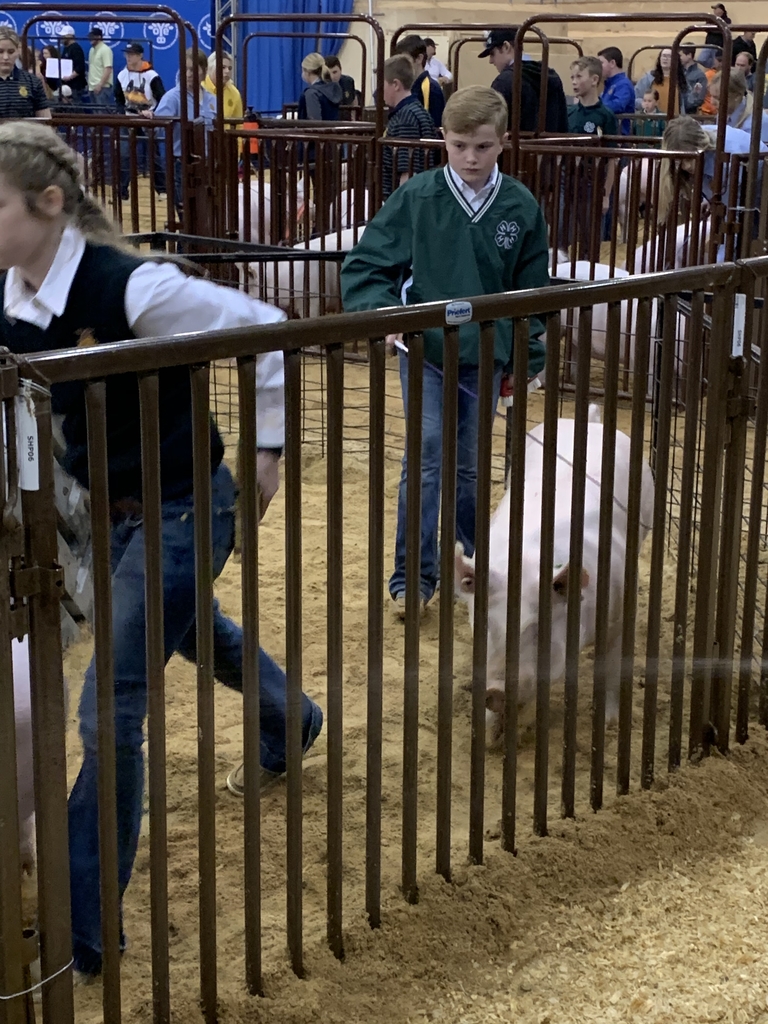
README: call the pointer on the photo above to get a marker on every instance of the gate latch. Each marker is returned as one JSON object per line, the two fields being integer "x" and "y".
{"x": 37, "y": 580}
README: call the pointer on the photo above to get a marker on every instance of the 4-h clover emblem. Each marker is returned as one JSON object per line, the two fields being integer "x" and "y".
{"x": 589, "y": 126}
{"x": 506, "y": 233}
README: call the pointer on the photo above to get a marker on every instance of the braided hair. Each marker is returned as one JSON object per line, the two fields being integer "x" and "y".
{"x": 33, "y": 158}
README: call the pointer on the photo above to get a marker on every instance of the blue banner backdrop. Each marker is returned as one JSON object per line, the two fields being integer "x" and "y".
{"x": 159, "y": 38}
{"x": 274, "y": 64}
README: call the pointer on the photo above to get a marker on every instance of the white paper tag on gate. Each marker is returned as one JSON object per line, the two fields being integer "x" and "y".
{"x": 26, "y": 440}
{"x": 739, "y": 319}
{"x": 458, "y": 313}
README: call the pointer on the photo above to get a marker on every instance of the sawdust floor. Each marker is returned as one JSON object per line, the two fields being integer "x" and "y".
{"x": 653, "y": 909}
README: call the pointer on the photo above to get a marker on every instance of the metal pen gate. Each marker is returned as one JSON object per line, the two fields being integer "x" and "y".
{"x": 698, "y": 649}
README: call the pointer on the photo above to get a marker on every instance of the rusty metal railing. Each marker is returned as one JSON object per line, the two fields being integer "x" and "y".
{"x": 697, "y": 648}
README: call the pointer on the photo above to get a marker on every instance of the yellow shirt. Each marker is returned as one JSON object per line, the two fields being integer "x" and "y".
{"x": 233, "y": 101}
{"x": 99, "y": 59}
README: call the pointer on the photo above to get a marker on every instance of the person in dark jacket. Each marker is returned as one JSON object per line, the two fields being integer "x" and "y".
{"x": 320, "y": 100}
{"x": 347, "y": 82}
{"x": 745, "y": 43}
{"x": 499, "y": 48}
{"x": 70, "y": 50}
{"x": 425, "y": 88}
{"x": 713, "y": 41}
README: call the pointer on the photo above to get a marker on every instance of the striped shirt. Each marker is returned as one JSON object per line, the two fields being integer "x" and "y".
{"x": 409, "y": 120}
{"x": 21, "y": 95}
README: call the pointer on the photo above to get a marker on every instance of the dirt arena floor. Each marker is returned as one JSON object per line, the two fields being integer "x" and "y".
{"x": 652, "y": 910}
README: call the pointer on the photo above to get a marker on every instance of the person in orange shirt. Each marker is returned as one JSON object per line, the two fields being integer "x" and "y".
{"x": 707, "y": 107}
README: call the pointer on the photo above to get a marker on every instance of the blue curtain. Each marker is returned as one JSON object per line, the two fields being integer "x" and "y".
{"x": 274, "y": 63}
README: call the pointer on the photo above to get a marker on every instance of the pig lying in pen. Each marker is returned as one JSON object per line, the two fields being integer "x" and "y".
{"x": 499, "y": 555}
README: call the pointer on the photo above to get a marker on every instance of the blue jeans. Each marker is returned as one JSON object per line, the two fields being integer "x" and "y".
{"x": 104, "y": 98}
{"x": 131, "y": 695}
{"x": 145, "y": 152}
{"x": 431, "y": 467}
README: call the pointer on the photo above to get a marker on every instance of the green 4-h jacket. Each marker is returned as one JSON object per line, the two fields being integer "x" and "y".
{"x": 427, "y": 244}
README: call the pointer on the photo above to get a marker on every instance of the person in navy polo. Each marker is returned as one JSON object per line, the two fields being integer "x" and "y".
{"x": 21, "y": 93}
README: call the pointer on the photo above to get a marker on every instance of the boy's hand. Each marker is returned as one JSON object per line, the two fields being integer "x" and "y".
{"x": 390, "y": 346}
{"x": 606, "y": 203}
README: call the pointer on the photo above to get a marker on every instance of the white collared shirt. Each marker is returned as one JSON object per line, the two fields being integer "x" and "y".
{"x": 474, "y": 199}
{"x": 437, "y": 70}
{"x": 160, "y": 301}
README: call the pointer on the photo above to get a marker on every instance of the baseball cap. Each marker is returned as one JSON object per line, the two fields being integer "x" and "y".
{"x": 133, "y": 48}
{"x": 66, "y": 30}
{"x": 721, "y": 7}
{"x": 96, "y": 33}
{"x": 497, "y": 37}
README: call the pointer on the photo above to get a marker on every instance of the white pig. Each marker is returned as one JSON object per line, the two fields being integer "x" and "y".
{"x": 584, "y": 271}
{"x": 498, "y": 561}
{"x": 296, "y": 287}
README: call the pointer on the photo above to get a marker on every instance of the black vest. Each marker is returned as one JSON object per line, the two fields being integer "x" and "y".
{"x": 96, "y": 310}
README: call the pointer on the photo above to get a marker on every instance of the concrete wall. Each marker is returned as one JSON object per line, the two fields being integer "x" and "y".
{"x": 628, "y": 36}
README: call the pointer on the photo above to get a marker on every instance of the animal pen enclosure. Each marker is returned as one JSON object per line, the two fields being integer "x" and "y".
{"x": 404, "y": 785}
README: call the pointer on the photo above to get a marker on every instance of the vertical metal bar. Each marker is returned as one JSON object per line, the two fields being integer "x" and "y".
{"x": 694, "y": 346}
{"x": 293, "y": 656}
{"x": 413, "y": 432}
{"x": 335, "y": 699}
{"x": 658, "y": 542}
{"x": 485, "y": 411}
{"x": 575, "y": 558}
{"x": 200, "y": 381}
{"x": 149, "y": 398}
{"x": 445, "y": 652}
{"x": 711, "y": 482}
{"x": 546, "y": 564}
{"x": 756, "y": 506}
{"x": 604, "y": 552}
{"x": 636, "y": 457}
{"x": 516, "y": 484}
{"x": 96, "y": 411}
{"x": 49, "y": 724}
{"x": 376, "y": 399}
{"x": 249, "y": 565}
{"x": 12, "y": 974}
{"x": 731, "y": 536}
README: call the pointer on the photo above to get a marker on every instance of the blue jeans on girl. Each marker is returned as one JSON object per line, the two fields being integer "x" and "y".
{"x": 131, "y": 694}
{"x": 431, "y": 468}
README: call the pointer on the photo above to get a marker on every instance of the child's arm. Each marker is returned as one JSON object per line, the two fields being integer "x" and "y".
{"x": 532, "y": 268}
{"x": 373, "y": 273}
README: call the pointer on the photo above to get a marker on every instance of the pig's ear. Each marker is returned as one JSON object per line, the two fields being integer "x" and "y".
{"x": 463, "y": 571}
{"x": 560, "y": 582}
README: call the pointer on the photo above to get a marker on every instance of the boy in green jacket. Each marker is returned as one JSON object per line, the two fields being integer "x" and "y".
{"x": 455, "y": 231}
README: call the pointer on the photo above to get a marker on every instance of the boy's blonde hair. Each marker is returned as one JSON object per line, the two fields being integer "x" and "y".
{"x": 400, "y": 68}
{"x": 33, "y": 158}
{"x": 591, "y": 65}
{"x": 314, "y": 64}
{"x": 471, "y": 108}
